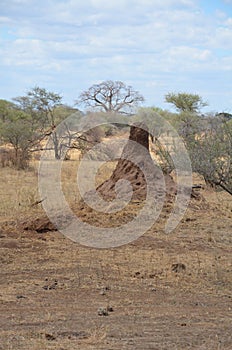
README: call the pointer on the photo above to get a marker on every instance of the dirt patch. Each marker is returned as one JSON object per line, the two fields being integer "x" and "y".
{"x": 166, "y": 291}
{"x": 163, "y": 292}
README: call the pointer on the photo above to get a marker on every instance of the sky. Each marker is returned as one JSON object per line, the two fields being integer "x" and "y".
{"x": 156, "y": 46}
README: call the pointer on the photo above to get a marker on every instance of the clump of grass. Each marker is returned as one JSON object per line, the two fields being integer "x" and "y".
{"x": 19, "y": 190}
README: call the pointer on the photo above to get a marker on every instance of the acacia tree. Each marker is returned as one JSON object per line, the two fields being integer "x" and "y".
{"x": 6, "y": 109}
{"x": 111, "y": 96}
{"x": 208, "y": 140}
{"x": 17, "y": 130}
{"x": 209, "y": 143}
{"x": 185, "y": 102}
{"x": 24, "y": 125}
{"x": 41, "y": 105}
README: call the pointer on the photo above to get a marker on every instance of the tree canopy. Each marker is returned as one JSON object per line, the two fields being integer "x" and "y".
{"x": 111, "y": 96}
{"x": 185, "y": 102}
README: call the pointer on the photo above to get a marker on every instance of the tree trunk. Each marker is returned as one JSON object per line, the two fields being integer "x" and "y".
{"x": 56, "y": 145}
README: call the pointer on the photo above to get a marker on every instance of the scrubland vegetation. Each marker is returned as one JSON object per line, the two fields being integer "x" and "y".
{"x": 159, "y": 292}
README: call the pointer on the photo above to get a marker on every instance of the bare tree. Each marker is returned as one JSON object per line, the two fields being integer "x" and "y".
{"x": 111, "y": 96}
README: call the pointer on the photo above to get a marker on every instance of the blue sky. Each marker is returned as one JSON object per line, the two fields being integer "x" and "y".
{"x": 157, "y": 46}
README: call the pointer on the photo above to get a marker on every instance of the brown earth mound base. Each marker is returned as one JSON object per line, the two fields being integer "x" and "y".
{"x": 39, "y": 225}
{"x": 137, "y": 149}
{"x": 136, "y": 167}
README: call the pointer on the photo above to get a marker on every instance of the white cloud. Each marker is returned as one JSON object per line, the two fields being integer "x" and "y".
{"x": 5, "y": 20}
{"x": 189, "y": 54}
{"x": 146, "y": 43}
{"x": 229, "y": 22}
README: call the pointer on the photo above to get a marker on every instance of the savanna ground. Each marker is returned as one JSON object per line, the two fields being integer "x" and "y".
{"x": 160, "y": 292}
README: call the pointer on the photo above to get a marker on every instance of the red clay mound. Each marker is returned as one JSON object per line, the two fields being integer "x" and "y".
{"x": 133, "y": 170}
{"x": 147, "y": 184}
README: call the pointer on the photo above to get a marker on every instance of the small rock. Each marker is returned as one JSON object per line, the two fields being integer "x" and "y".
{"x": 104, "y": 290}
{"x": 137, "y": 273}
{"x": 20, "y": 297}
{"x": 50, "y": 337}
{"x": 102, "y": 311}
{"x": 110, "y": 309}
{"x": 179, "y": 267}
{"x": 51, "y": 286}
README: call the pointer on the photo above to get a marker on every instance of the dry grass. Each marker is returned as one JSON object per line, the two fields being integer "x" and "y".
{"x": 69, "y": 178}
{"x": 18, "y": 191}
{"x": 52, "y": 288}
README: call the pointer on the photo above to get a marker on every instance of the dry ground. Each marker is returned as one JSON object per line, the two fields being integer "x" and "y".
{"x": 161, "y": 292}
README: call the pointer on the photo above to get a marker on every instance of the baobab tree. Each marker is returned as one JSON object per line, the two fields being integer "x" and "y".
{"x": 111, "y": 96}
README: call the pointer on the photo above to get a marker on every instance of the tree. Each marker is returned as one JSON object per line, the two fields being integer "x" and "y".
{"x": 225, "y": 115}
{"x": 6, "y": 109}
{"x": 18, "y": 132}
{"x": 210, "y": 150}
{"x": 185, "y": 102}
{"x": 41, "y": 105}
{"x": 111, "y": 96}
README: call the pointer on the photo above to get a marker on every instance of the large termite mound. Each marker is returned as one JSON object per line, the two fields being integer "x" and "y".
{"x": 143, "y": 180}
{"x": 138, "y": 168}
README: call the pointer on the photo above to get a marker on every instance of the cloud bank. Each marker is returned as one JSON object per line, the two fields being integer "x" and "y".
{"x": 154, "y": 45}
